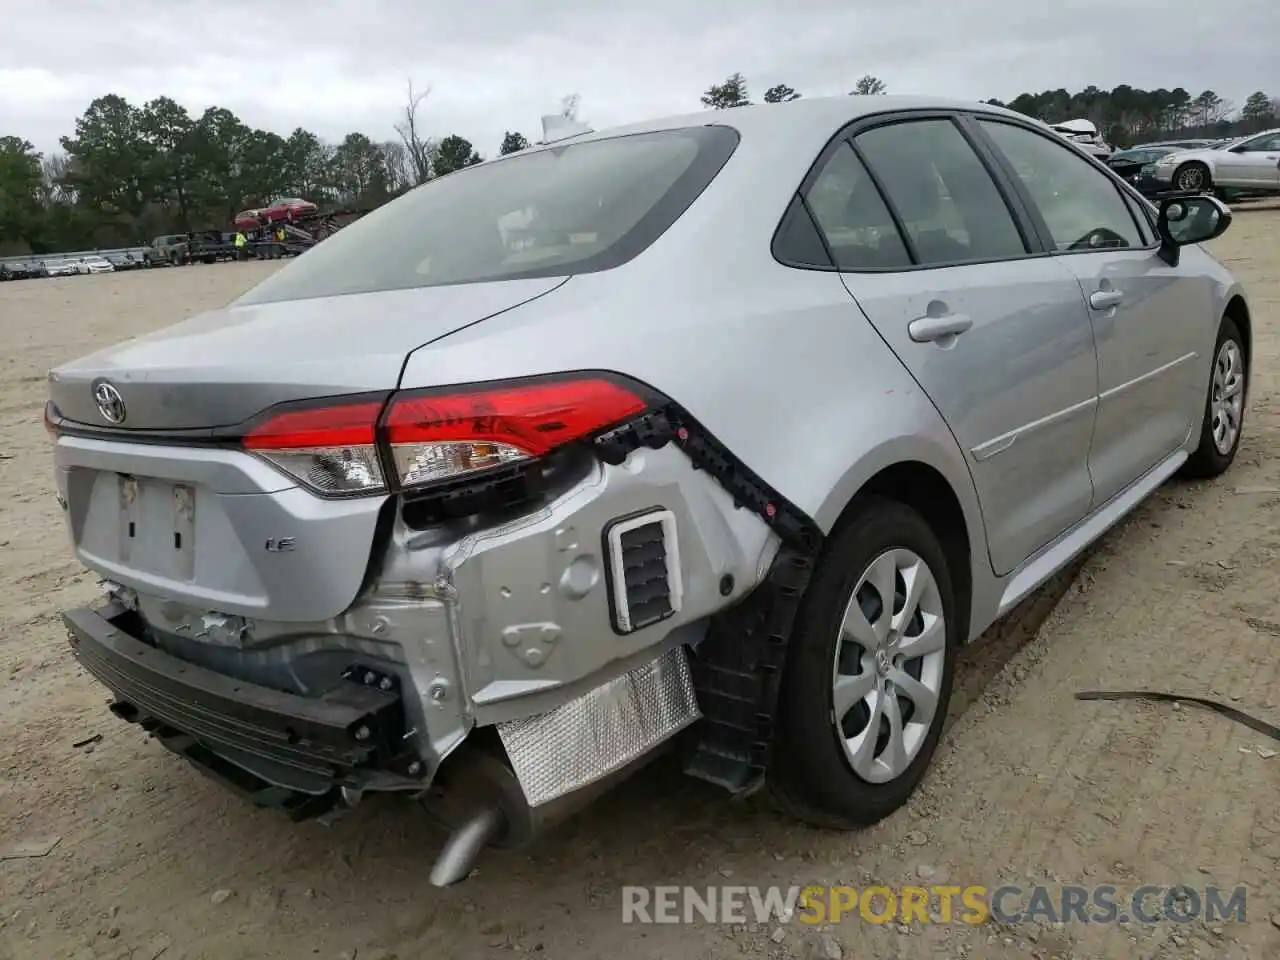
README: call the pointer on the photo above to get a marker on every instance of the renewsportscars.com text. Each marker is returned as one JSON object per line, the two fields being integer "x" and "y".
{"x": 972, "y": 904}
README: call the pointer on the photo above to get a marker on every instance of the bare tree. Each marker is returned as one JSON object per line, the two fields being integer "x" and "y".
{"x": 418, "y": 147}
{"x": 569, "y": 106}
{"x": 395, "y": 160}
{"x": 55, "y": 169}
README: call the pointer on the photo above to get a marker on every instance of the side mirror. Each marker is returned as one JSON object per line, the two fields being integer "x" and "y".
{"x": 1187, "y": 220}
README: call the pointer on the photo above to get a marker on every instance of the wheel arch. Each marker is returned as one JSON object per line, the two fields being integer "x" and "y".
{"x": 1208, "y": 164}
{"x": 1238, "y": 310}
{"x": 949, "y": 508}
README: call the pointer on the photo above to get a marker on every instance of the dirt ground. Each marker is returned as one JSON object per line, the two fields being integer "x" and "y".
{"x": 1030, "y": 785}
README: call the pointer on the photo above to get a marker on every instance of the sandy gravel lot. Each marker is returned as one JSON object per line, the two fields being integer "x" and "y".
{"x": 1030, "y": 786}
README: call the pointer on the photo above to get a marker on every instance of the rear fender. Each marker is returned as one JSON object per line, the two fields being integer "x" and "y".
{"x": 935, "y": 449}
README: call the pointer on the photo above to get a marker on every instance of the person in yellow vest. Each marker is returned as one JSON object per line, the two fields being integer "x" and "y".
{"x": 240, "y": 242}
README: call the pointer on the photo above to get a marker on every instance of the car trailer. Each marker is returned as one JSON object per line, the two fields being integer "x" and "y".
{"x": 301, "y": 234}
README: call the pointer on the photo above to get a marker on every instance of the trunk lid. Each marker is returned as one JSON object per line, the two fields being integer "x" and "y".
{"x": 214, "y": 528}
{"x": 220, "y": 368}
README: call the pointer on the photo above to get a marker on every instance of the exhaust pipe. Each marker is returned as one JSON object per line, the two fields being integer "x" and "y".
{"x": 464, "y": 846}
{"x": 485, "y": 798}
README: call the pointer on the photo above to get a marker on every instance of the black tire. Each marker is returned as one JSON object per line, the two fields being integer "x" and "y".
{"x": 1207, "y": 460}
{"x": 1203, "y": 184}
{"x": 810, "y": 776}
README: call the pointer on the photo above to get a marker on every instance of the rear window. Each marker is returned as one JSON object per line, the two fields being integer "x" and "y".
{"x": 576, "y": 208}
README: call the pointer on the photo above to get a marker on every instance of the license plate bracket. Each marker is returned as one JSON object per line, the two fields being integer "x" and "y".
{"x": 157, "y": 529}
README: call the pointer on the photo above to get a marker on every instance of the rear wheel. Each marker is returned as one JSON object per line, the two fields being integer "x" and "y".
{"x": 1193, "y": 177}
{"x": 1224, "y": 406}
{"x": 869, "y": 672}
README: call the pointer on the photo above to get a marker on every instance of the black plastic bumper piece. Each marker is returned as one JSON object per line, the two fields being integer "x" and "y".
{"x": 228, "y": 727}
{"x": 737, "y": 668}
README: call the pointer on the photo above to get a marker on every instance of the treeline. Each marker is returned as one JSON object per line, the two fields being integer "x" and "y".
{"x": 1126, "y": 115}
{"x": 1130, "y": 115}
{"x": 132, "y": 172}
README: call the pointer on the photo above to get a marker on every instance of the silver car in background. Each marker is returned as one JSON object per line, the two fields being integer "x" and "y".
{"x": 721, "y": 432}
{"x": 1250, "y": 164}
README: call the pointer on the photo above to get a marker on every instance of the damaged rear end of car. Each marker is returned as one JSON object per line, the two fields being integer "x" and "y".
{"x": 323, "y": 581}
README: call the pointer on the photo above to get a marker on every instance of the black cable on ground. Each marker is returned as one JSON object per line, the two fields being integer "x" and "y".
{"x": 1239, "y": 716}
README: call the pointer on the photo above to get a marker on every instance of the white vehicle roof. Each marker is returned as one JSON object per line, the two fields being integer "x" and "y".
{"x": 799, "y": 128}
{"x": 1077, "y": 126}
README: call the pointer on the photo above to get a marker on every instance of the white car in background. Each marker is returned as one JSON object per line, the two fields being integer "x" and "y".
{"x": 93, "y": 264}
{"x": 1250, "y": 165}
{"x": 70, "y": 266}
{"x": 1085, "y": 135}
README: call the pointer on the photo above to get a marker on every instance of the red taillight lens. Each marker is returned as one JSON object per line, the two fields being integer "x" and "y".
{"x": 442, "y": 436}
{"x": 332, "y": 449}
{"x": 351, "y": 424}
{"x": 437, "y": 436}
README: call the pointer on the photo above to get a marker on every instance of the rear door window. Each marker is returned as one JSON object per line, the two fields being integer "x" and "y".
{"x": 853, "y": 217}
{"x": 947, "y": 201}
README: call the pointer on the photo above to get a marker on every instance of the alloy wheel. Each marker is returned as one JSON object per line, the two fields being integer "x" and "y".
{"x": 1227, "y": 398}
{"x": 889, "y": 665}
{"x": 1192, "y": 178}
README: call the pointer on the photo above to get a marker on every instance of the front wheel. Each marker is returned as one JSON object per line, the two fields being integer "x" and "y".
{"x": 1224, "y": 406}
{"x": 869, "y": 672}
{"x": 1193, "y": 177}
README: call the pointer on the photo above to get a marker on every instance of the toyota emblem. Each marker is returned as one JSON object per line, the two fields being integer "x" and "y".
{"x": 110, "y": 403}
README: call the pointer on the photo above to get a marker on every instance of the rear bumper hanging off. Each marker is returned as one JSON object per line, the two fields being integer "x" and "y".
{"x": 308, "y": 745}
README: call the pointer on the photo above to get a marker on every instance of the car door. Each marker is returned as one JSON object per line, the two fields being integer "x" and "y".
{"x": 1250, "y": 164}
{"x": 1149, "y": 319}
{"x": 1261, "y": 161}
{"x": 998, "y": 339}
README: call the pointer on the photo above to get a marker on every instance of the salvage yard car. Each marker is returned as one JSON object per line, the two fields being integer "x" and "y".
{"x": 57, "y": 267}
{"x": 1138, "y": 165}
{"x": 754, "y": 421}
{"x": 1085, "y": 135}
{"x": 282, "y": 210}
{"x": 1248, "y": 165}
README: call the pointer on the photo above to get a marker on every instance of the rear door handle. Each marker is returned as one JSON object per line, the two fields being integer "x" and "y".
{"x": 1105, "y": 299}
{"x": 928, "y": 329}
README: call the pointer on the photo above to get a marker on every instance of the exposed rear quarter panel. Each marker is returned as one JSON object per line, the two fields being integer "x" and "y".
{"x": 782, "y": 367}
{"x": 778, "y": 363}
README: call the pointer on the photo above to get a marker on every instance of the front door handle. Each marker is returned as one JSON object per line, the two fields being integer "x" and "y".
{"x": 929, "y": 329}
{"x": 1105, "y": 299}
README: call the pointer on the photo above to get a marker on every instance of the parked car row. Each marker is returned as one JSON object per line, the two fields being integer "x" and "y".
{"x": 73, "y": 264}
{"x": 57, "y": 267}
{"x": 1232, "y": 169}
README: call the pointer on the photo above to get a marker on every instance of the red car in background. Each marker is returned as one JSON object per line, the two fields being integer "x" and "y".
{"x": 285, "y": 209}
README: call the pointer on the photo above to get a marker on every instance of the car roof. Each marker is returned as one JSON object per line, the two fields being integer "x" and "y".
{"x": 801, "y": 120}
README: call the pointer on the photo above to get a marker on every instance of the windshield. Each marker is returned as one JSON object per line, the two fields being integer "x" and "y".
{"x": 571, "y": 208}
{"x": 1235, "y": 142}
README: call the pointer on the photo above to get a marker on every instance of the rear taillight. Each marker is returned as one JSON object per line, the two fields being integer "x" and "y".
{"x": 444, "y": 436}
{"x": 49, "y": 426}
{"x": 439, "y": 435}
{"x": 332, "y": 449}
